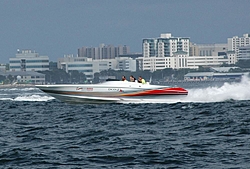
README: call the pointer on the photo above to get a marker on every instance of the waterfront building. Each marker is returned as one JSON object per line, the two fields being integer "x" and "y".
{"x": 26, "y": 60}
{"x": 26, "y": 77}
{"x": 195, "y": 62}
{"x": 2, "y": 67}
{"x": 244, "y": 53}
{"x": 223, "y": 69}
{"x": 177, "y": 61}
{"x": 103, "y": 51}
{"x": 236, "y": 42}
{"x": 212, "y": 76}
{"x": 181, "y": 60}
{"x": 232, "y": 58}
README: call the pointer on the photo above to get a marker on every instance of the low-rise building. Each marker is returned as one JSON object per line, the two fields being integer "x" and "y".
{"x": 181, "y": 60}
{"x": 26, "y": 77}
{"x": 2, "y": 67}
{"x": 89, "y": 66}
{"x": 208, "y": 49}
{"x": 208, "y": 76}
{"x": 244, "y": 53}
{"x": 26, "y": 60}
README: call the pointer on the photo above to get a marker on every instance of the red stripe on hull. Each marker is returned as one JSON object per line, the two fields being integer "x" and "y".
{"x": 166, "y": 91}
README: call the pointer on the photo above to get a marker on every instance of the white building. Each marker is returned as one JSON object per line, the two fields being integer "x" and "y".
{"x": 164, "y": 46}
{"x": 235, "y": 42}
{"x": 194, "y": 62}
{"x": 26, "y": 77}
{"x": 244, "y": 53}
{"x": 178, "y": 53}
{"x": 26, "y": 60}
{"x": 128, "y": 64}
{"x": 2, "y": 67}
{"x": 89, "y": 66}
{"x": 177, "y": 61}
{"x": 181, "y": 60}
{"x": 232, "y": 58}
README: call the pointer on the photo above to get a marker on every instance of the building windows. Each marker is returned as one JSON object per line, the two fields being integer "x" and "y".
{"x": 15, "y": 61}
{"x": 103, "y": 64}
{"x": 80, "y": 65}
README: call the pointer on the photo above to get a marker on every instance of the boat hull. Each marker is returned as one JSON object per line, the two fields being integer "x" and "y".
{"x": 110, "y": 92}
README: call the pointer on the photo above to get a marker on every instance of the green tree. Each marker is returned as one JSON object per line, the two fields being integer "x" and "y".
{"x": 2, "y": 78}
{"x": 243, "y": 63}
{"x": 96, "y": 77}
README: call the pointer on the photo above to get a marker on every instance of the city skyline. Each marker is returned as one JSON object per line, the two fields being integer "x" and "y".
{"x": 59, "y": 27}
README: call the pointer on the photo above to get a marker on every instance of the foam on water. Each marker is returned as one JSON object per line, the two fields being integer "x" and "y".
{"x": 18, "y": 89}
{"x": 33, "y": 98}
{"x": 235, "y": 91}
{"x": 23, "y": 89}
{"x": 29, "y": 98}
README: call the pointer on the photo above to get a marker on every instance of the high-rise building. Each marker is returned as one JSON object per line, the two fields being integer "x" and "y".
{"x": 235, "y": 42}
{"x": 103, "y": 51}
{"x": 164, "y": 46}
{"x": 26, "y": 60}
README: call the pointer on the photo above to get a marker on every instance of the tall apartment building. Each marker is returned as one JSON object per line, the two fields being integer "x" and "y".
{"x": 164, "y": 52}
{"x": 103, "y": 51}
{"x": 164, "y": 46}
{"x": 235, "y": 42}
{"x": 26, "y": 60}
{"x": 178, "y": 53}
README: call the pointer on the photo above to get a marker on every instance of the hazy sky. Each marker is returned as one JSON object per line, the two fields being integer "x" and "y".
{"x": 58, "y": 27}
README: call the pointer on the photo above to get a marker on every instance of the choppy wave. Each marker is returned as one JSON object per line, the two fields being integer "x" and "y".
{"x": 182, "y": 135}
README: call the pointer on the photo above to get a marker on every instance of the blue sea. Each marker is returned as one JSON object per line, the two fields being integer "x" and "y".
{"x": 210, "y": 128}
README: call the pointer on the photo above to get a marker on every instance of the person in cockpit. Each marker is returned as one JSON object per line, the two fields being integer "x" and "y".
{"x": 132, "y": 79}
{"x": 141, "y": 80}
{"x": 124, "y": 78}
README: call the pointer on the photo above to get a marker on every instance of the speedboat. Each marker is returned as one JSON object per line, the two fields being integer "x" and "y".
{"x": 111, "y": 92}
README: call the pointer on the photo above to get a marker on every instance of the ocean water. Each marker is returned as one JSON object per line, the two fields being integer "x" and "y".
{"x": 210, "y": 128}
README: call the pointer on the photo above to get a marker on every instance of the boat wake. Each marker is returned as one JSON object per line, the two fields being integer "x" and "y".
{"x": 228, "y": 91}
{"x": 30, "y": 98}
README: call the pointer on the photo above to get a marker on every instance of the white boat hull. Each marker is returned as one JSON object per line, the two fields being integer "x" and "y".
{"x": 111, "y": 92}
